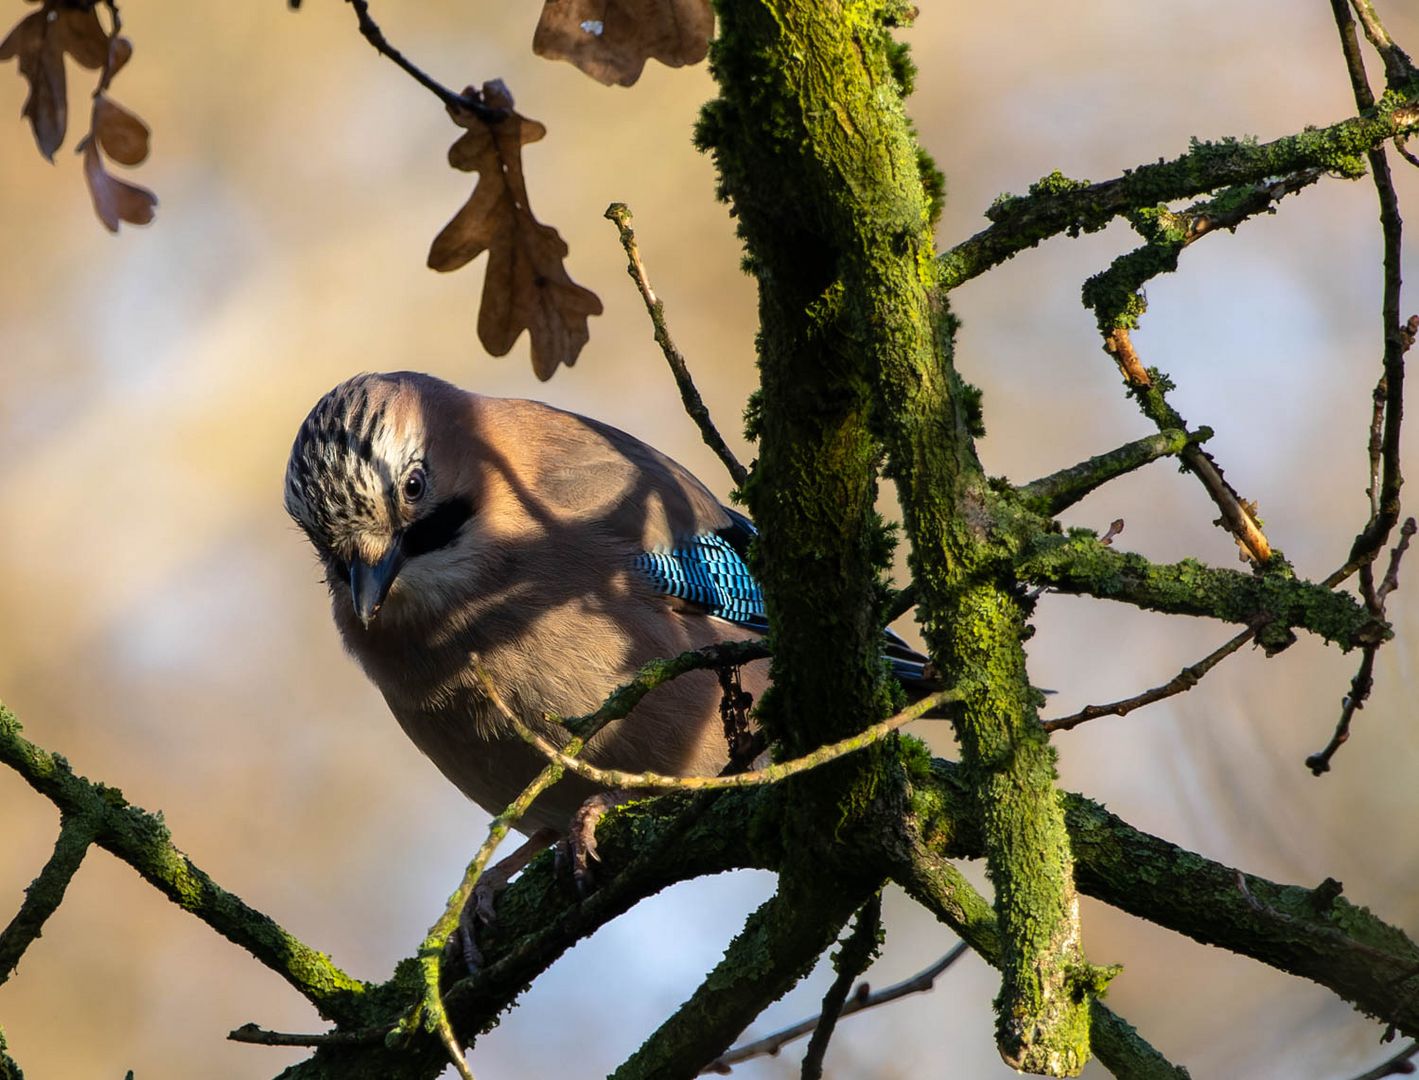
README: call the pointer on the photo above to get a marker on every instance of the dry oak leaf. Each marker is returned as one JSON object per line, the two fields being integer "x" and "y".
{"x": 611, "y": 40}
{"x": 39, "y": 42}
{"x": 526, "y": 287}
{"x": 125, "y": 139}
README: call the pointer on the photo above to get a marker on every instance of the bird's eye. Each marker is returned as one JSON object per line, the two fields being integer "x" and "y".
{"x": 414, "y": 485}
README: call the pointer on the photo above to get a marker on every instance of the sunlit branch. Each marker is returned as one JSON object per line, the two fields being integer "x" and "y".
{"x": 620, "y": 213}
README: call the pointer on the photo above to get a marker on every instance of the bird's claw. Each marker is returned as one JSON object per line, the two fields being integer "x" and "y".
{"x": 581, "y": 838}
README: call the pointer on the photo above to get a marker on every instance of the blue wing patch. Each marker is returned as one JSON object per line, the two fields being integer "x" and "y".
{"x": 710, "y": 572}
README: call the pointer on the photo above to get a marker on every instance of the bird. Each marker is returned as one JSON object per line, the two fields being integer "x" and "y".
{"x": 470, "y": 540}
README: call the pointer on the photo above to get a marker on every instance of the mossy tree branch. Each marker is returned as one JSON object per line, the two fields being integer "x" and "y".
{"x": 779, "y": 945}
{"x": 817, "y": 155}
{"x": 1049, "y": 495}
{"x": 1057, "y": 204}
{"x": 46, "y": 892}
{"x": 141, "y": 840}
{"x": 1079, "y": 563}
{"x": 940, "y": 888}
{"x": 1314, "y": 933}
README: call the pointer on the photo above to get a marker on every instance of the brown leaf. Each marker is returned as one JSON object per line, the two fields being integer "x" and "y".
{"x": 81, "y": 35}
{"x": 122, "y": 50}
{"x": 115, "y": 200}
{"x": 41, "y": 59}
{"x": 526, "y": 286}
{"x": 611, "y": 40}
{"x": 121, "y": 134}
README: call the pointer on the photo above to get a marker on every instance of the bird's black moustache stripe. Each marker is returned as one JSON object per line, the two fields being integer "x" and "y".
{"x": 438, "y": 528}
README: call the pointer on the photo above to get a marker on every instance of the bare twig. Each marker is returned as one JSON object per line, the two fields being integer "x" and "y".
{"x": 649, "y": 781}
{"x": 1390, "y": 581}
{"x": 1354, "y": 58}
{"x": 1399, "y": 69}
{"x": 375, "y": 36}
{"x": 252, "y": 1033}
{"x": 1183, "y": 681}
{"x": 1238, "y": 515}
{"x": 1363, "y": 682}
{"x": 44, "y": 894}
{"x": 852, "y": 960}
{"x": 1399, "y": 1064}
{"x": 620, "y": 213}
{"x": 862, "y": 998}
{"x": 1360, "y": 687}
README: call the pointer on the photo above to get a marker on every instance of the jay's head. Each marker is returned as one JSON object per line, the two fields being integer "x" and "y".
{"x": 382, "y": 496}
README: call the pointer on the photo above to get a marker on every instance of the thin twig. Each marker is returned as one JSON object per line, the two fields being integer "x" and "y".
{"x": 1386, "y": 419}
{"x": 1363, "y": 682}
{"x": 658, "y": 672}
{"x": 620, "y": 213}
{"x": 1238, "y": 516}
{"x": 431, "y": 951}
{"x": 1396, "y": 1065}
{"x": 253, "y": 1033}
{"x": 649, "y": 781}
{"x": 902, "y": 601}
{"x": 1399, "y": 69}
{"x": 852, "y": 960}
{"x": 1354, "y": 58}
{"x": 1390, "y": 581}
{"x": 1183, "y": 681}
{"x": 44, "y": 894}
{"x": 862, "y": 998}
{"x": 1395, "y": 335}
{"x": 375, "y": 36}
{"x": 1360, "y": 687}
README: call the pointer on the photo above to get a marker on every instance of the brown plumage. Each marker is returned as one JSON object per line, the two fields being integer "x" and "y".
{"x": 455, "y": 526}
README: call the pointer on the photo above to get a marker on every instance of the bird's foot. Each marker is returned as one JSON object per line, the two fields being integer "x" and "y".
{"x": 581, "y": 837}
{"x": 481, "y": 908}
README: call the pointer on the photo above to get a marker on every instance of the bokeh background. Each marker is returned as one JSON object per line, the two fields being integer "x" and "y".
{"x": 164, "y": 626}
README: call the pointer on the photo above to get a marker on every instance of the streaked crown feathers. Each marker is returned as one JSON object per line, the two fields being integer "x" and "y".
{"x": 350, "y": 452}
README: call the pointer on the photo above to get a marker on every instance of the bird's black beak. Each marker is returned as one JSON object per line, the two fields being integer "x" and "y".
{"x": 369, "y": 583}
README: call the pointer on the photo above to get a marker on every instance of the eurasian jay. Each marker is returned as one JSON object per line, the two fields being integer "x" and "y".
{"x": 557, "y": 552}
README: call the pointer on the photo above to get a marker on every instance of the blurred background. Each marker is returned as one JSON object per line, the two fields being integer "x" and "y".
{"x": 164, "y": 624}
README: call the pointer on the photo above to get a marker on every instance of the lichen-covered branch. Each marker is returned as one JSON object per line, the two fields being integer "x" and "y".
{"x": 1314, "y": 933}
{"x": 818, "y": 157}
{"x": 857, "y": 952}
{"x": 943, "y": 890}
{"x": 9, "y": 1068}
{"x": 1052, "y": 494}
{"x": 778, "y": 946}
{"x": 861, "y": 999}
{"x": 141, "y": 840}
{"x": 1057, "y": 204}
{"x": 1078, "y": 563}
{"x": 46, "y": 892}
